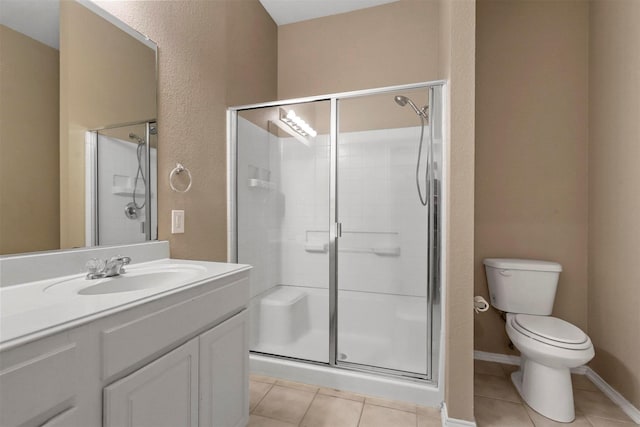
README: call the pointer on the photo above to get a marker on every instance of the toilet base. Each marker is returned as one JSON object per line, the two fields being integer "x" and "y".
{"x": 546, "y": 390}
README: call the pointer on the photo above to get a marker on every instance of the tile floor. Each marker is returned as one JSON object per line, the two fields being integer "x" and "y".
{"x": 498, "y": 404}
{"x": 279, "y": 403}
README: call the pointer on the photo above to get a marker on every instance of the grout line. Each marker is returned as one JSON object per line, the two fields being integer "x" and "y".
{"x": 586, "y": 418}
{"x": 629, "y": 422}
{"x": 415, "y": 411}
{"x": 309, "y": 407}
{"x": 528, "y": 415}
{"x": 361, "y": 411}
{"x": 262, "y": 398}
{"x": 519, "y": 402}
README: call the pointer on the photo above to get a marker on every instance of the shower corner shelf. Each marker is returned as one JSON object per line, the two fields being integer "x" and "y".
{"x": 118, "y": 190}
{"x": 259, "y": 183}
{"x": 316, "y": 247}
{"x": 390, "y": 251}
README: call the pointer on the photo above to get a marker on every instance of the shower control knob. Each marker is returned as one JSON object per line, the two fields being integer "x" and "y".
{"x": 131, "y": 211}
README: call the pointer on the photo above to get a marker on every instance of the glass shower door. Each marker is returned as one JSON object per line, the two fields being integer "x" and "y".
{"x": 282, "y": 194}
{"x": 383, "y": 238}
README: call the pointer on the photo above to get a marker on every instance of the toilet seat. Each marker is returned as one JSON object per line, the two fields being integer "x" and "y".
{"x": 551, "y": 330}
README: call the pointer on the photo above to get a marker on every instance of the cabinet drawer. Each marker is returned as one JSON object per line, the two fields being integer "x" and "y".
{"x": 147, "y": 337}
{"x": 35, "y": 390}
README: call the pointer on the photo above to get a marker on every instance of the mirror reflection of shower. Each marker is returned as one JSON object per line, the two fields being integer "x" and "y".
{"x": 121, "y": 175}
{"x": 424, "y": 119}
{"x": 132, "y": 208}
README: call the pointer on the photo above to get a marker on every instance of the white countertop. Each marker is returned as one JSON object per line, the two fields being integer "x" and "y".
{"x": 28, "y": 312}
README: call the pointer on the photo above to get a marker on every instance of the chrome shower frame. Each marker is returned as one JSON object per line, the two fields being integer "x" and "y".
{"x": 435, "y": 237}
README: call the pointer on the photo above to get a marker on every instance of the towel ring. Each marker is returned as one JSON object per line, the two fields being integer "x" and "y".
{"x": 177, "y": 171}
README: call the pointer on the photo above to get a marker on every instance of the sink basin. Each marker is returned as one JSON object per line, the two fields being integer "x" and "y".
{"x": 135, "y": 279}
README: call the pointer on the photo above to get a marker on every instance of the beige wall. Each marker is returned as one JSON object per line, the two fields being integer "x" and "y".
{"x": 457, "y": 57}
{"x": 531, "y": 148}
{"x": 556, "y": 172}
{"x": 106, "y": 77}
{"x": 614, "y": 195}
{"x": 212, "y": 54}
{"x": 29, "y": 111}
{"x": 379, "y": 46}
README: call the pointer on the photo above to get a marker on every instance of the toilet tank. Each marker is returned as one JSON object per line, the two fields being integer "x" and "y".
{"x": 522, "y": 285}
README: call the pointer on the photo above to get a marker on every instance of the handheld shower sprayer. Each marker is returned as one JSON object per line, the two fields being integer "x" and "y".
{"x": 136, "y": 137}
{"x": 131, "y": 210}
{"x": 424, "y": 118}
{"x": 403, "y": 100}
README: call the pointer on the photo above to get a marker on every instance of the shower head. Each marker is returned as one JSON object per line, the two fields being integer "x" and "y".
{"x": 136, "y": 137}
{"x": 403, "y": 100}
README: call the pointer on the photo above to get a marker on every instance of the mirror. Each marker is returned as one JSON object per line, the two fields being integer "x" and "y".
{"x": 77, "y": 128}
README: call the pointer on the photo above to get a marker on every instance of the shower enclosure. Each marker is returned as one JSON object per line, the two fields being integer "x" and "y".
{"x": 334, "y": 201}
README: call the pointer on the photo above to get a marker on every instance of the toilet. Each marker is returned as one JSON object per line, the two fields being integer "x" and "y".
{"x": 550, "y": 347}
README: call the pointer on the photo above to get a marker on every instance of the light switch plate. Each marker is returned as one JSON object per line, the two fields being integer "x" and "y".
{"x": 177, "y": 221}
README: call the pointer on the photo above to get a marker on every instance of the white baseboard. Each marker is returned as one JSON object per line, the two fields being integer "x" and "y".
{"x": 453, "y": 422}
{"x": 509, "y": 359}
{"x": 596, "y": 379}
{"x": 612, "y": 394}
{"x": 505, "y": 359}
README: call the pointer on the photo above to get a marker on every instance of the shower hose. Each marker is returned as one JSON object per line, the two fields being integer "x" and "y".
{"x": 423, "y": 199}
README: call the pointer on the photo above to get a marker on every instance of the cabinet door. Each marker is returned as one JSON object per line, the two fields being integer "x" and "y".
{"x": 224, "y": 374}
{"x": 163, "y": 393}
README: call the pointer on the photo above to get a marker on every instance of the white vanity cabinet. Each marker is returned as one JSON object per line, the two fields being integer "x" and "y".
{"x": 201, "y": 383}
{"x": 179, "y": 359}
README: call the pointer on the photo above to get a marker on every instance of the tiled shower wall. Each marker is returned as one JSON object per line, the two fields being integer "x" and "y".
{"x": 283, "y": 196}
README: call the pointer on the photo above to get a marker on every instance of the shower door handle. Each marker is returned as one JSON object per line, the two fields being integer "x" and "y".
{"x": 338, "y": 229}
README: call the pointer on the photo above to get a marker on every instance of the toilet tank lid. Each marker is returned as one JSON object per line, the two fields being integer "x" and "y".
{"x": 522, "y": 264}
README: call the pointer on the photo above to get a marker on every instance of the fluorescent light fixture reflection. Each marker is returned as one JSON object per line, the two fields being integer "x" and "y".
{"x": 297, "y": 123}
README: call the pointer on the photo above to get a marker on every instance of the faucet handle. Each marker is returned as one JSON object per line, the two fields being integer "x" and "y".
{"x": 118, "y": 262}
{"x": 95, "y": 265}
{"x": 120, "y": 258}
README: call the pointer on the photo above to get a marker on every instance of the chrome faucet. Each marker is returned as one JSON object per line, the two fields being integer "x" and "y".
{"x": 114, "y": 266}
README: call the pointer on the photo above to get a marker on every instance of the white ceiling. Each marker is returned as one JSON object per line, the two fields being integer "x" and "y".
{"x": 38, "y": 19}
{"x": 289, "y": 11}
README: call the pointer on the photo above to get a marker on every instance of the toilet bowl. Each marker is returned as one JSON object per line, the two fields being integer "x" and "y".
{"x": 525, "y": 290}
{"x": 549, "y": 348}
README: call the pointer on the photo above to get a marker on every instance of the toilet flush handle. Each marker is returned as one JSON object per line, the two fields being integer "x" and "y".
{"x": 505, "y": 273}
